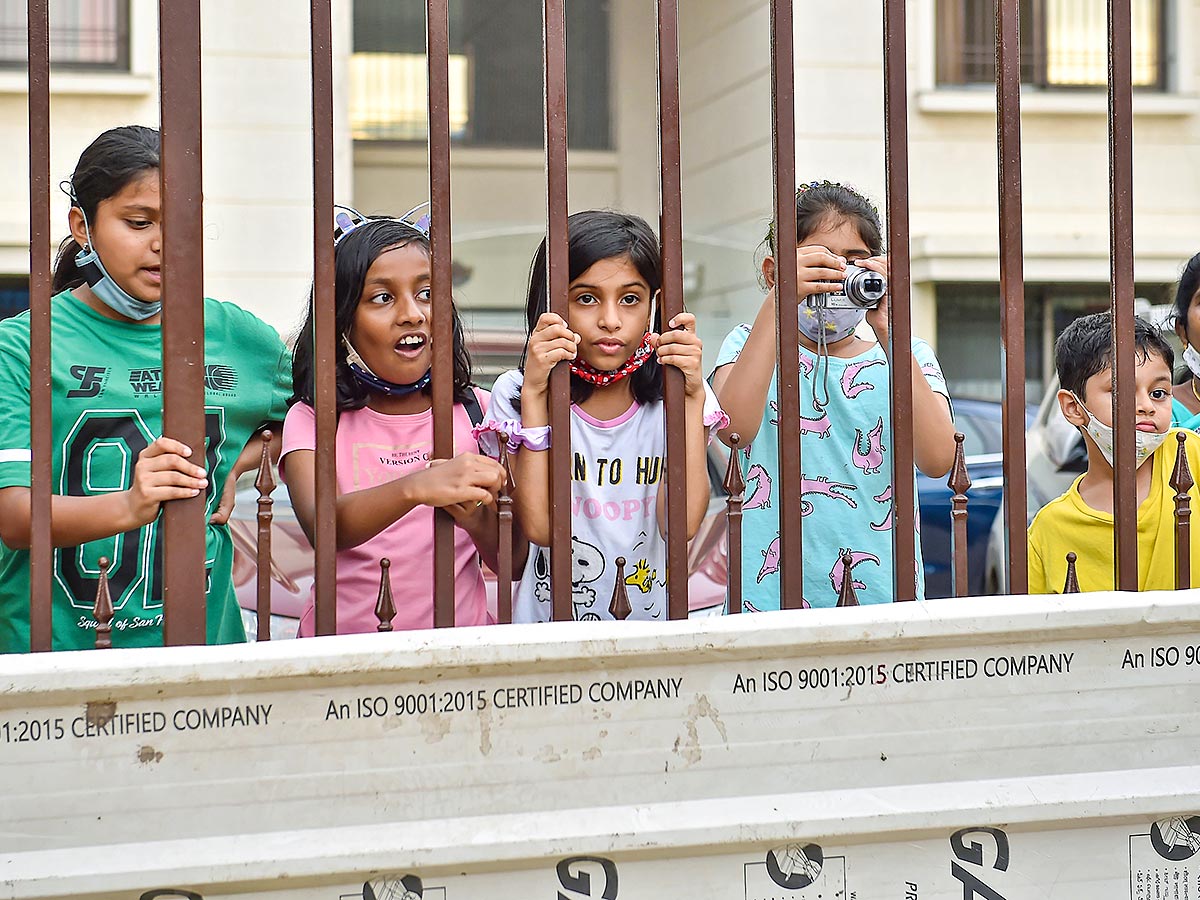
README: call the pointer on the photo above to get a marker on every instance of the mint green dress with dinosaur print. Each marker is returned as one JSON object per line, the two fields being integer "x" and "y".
{"x": 846, "y": 496}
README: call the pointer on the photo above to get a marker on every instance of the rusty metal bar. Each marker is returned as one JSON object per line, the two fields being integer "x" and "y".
{"x": 846, "y": 593}
{"x": 1012, "y": 290}
{"x": 102, "y": 609}
{"x": 504, "y": 550}
{"x": 671, "y": 236}
{"x": 182, "y": 192}
{"x": 904, "y": 536}
{"x": 265, "y": 483}
{"x": 783, "y": 126}
{"x": 437, "y": 24}
{"x": 735, "y": 488}
{"x": 1071, "y": 584}
{"x": 554, "y": 34}
{"x": 324, "y": 326}
{"x": 1182, "y": 481}
{"x": 41, "y": 470}
{"x": 385, "y": 606}
{"x": 1120, "y": 185}
{"x": 619, "y": 607}
{"x": 959, "y": 482}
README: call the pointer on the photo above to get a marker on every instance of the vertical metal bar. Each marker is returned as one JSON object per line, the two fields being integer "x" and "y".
{"x": 265, "y": 484}
{"x": 904, "y": 543}
{"x": 554, "y": 34}
{"x": 959, "y": 482}
{"x": 504, "y": 550}
{"x": 41, "y": 472}
{"x": 1183, "y": 482}
{"x": 324, "y": 326}
{"x": 735, "y": 487}
{"x": 437, "y": 24}
{"x": 671, "y": 235}
{"x": 184, "y": 600}
{"x": 1012, "y": 289}
{"x": 783, "y": 126}
{"x": 1120, "y": 186}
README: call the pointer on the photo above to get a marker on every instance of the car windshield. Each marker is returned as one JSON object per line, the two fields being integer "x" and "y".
{"x": 983, "y": 435}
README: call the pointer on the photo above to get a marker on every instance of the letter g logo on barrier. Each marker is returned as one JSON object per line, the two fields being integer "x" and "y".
{"x": 580, "y": 884}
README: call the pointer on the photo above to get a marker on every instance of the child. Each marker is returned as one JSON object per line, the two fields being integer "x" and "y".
{"x": 1185, "y": 408}
{"x": 845, "y": 424}
{"x": 113, "y": 469}
{"x": 1081, "y": 520}
{"x": 387, "y": 485}
{"x": 612, "y": 342}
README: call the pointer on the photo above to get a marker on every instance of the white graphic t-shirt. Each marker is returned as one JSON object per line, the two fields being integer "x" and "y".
{"x": 616, "y": 468}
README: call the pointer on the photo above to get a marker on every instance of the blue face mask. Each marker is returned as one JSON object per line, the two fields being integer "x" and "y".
{"x": 108, "y": 291}
{"x": 364, "y": 376}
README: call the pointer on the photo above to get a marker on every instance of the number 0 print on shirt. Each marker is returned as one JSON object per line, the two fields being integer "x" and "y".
{"x": 98, "y": 457}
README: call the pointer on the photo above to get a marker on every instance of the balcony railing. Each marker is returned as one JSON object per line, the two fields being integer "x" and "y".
{"x": 183, "y": 351}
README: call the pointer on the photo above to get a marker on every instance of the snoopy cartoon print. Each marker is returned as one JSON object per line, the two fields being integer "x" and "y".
{"x": 587, "y": 565}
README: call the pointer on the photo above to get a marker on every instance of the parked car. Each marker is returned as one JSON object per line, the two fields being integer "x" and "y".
{"x": 981, "y": 422}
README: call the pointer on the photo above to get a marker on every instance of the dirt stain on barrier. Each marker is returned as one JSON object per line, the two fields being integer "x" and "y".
{"x": 147, "y": 755}
{"x": 485, "y": 730}
{"x": 435, "y": 727}
{"x": 100, "y": 712}
{"x": 700, "y": 709}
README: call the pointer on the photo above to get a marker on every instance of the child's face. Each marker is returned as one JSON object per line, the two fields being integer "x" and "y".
{"x": 1152, "y": 379}
{"x": 391, "y": 330}
{"x": 610, "y": 309}
{"x": 1188, "y": 328}
{"x": 840, "y": 237}
{"x": 127, "y": 233}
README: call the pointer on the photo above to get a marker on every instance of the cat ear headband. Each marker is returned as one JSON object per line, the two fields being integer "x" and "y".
{"x": 347, "y": 219}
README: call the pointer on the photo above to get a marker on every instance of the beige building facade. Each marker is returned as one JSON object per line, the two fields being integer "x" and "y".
{"x": 257, "y": 150}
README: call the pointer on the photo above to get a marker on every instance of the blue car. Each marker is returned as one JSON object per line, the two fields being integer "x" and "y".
{"x": 980, "y": 423}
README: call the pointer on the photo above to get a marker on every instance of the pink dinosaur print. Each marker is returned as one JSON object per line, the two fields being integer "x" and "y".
{"x": 818, "y": 426}
{"x": 856, "y": 557}
{"x": 849, "y": 388}
{"x": 885, "y": 497}
{"x": 770, "y": 561}
{"x": 807, "y": 364}
{"x": 823, "y": 487}
{"x": 872, "y": 460}
{"x": 761, "y": 496}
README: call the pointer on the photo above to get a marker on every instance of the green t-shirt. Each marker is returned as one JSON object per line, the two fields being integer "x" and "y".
{"x": 107, "y": 406}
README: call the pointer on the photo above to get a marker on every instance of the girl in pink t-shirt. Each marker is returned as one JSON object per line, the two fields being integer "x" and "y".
{"x": 387, "y": 485}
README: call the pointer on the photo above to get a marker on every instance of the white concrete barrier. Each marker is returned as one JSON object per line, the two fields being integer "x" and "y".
{"x": 992, "y": 748}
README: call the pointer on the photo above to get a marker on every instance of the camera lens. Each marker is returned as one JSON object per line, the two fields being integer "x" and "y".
{"x": 863, "y": 287}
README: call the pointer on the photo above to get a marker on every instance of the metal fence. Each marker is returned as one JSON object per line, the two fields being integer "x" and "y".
{"x": 183, "y": 369}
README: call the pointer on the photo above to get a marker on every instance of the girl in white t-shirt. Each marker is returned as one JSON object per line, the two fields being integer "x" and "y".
{"x": 387, "y": 486}
{"x": 616, "y": 348}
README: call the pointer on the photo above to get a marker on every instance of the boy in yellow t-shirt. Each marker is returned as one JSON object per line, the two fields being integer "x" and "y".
{"x": 1081, "y": 520}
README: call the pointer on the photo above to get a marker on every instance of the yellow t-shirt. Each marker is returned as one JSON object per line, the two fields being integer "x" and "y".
{"x": 1068, "y": 524}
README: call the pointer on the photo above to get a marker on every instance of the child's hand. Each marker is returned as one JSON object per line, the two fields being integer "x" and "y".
{"x": 162, "y": 473}
{"x": 681, "y": 347}
{"x": 877, "y": 318}
{"x": 818, "y": 271}
{"x": 550, "y": 343}
{"x": 467, "y": 481}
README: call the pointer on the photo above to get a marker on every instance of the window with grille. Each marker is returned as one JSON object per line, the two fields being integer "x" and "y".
{"x": 84, "y": 34}
{"x": 495, "y": 73}
{"x": 1064, "y": 43}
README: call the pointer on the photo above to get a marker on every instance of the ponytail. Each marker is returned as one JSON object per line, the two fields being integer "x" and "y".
{"x": 66, "y": 273}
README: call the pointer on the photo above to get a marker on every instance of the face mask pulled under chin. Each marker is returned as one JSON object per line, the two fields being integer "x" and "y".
{"x": 1146, "y": 442}
{"x": 109, "y": 292}
{"x": 1192, "y": 360}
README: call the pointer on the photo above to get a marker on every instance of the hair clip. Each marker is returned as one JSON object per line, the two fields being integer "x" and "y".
{"x": 347, "y": 219}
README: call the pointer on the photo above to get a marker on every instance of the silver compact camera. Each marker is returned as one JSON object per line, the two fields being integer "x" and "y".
{"x": 862, "y": 289}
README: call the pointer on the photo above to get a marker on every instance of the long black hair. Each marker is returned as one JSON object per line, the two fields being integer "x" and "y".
{"x": 355, "y": 254}
{"x": 1185, "y": 293}
{"x": 109, "y": 163}
{"x": 594, "y": 235}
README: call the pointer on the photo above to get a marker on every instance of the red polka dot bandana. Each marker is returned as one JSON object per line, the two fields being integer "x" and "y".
{"x": 588, "y": 373}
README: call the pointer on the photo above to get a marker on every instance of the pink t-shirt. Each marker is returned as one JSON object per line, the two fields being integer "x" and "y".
{"x": 373, "y": 448}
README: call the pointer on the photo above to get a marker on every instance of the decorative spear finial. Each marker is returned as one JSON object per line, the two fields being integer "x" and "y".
{"x": 735, "y": 489}
{"x": 959, "y": 482}
{"x": 385, "y": 608}
{"x": 619, "y": 607}
{"x": 103, "y": 609}
{"x": 265, "y": 483}
{"x": 1183, "y": 482}
{"x": 846, "y": 596}
{"x": 1071, "y": 586}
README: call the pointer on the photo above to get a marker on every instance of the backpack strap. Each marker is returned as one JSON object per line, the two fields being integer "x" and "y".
{"x": 474, "y": 410}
